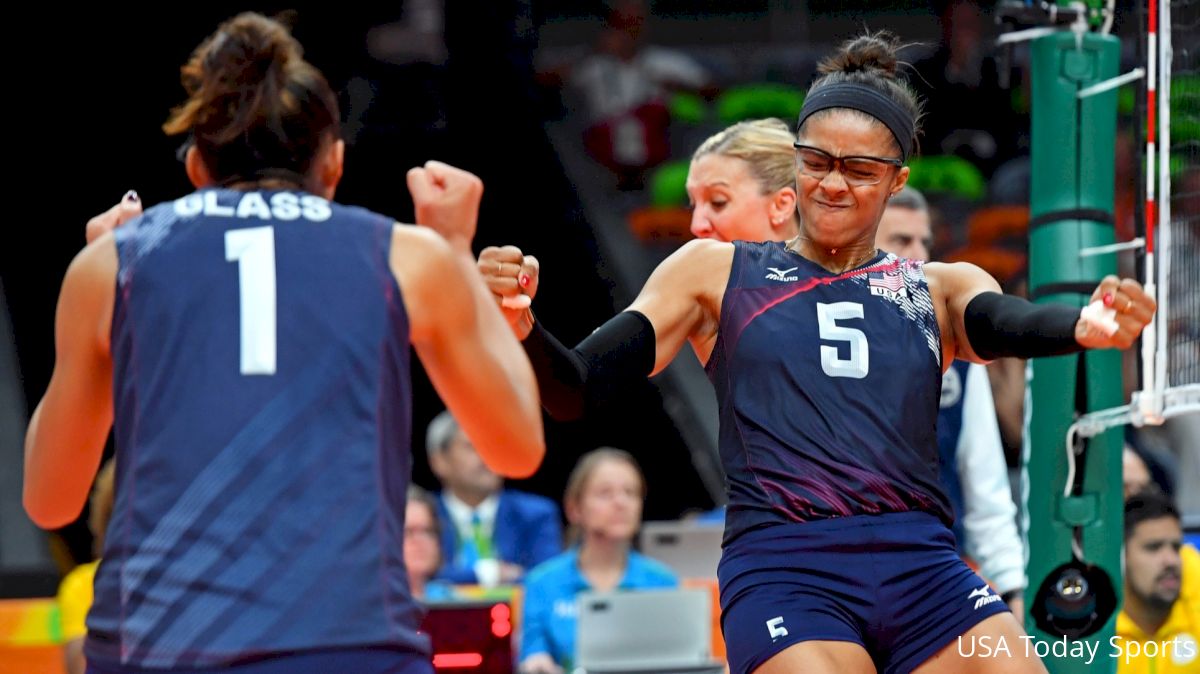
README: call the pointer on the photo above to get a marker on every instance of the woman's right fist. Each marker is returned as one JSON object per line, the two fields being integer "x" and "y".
{"x": 512, "y": 277}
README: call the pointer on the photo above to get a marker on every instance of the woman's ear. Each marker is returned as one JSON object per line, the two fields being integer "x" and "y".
{"x": 332, "y": 161}
{"x": 900, "y": 181}
{"x": 783, "y": 208}
{"x": 197, "y": 172}
{"x": 571, "y": 510}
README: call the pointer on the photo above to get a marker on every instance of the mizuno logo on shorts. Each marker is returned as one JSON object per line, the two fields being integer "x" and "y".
{"x": 985, "y": 597}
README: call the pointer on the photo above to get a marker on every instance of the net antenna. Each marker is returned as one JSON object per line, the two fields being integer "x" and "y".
{"x": 1169, "y": 217}
{"x": 1170, "y": 345}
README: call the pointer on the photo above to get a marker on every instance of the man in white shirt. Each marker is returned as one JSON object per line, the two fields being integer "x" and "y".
{"x": 973, "y": 471}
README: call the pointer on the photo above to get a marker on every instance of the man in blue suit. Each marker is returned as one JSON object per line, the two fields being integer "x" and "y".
{"x": 490, "y": 535}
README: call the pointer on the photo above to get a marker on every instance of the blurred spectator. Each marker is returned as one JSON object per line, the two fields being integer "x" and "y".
{"x": 1009, "y": 184}
{"x": 1162, "y": 591}
{"x": 973, "y": 470}
{"x": 418, "y": 37}
{"x": 75, "y": 591}
{"x": 423, "y": 547}
{"x": 967, "y": 113}
{"x": 1135, "y": 475}
{"x": 603, "y": 501}
{"x": 624, "y": 84}
{"x": 491, "y": 534}
{"x": 1158, "y": 463}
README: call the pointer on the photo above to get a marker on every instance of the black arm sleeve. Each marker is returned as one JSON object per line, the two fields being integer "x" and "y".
{"x": 1003, "y": 325}
{"x": 573, "y": 380}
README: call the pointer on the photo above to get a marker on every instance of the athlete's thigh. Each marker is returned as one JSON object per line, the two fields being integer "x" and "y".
{"x": 820, "y": 657}
{"x": 993, "y": 646}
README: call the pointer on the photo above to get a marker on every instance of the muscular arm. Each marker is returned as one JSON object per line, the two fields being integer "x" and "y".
{"x": 958, "y": 284}
{"x": 67, "y": 431}
{"x": 986, "y": 324}
{"x": 470, "y": 354}
{"x": 682, "y": 298}
{"x": 679, "y": 302}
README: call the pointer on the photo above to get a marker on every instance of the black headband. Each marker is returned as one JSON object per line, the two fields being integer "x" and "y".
{"x": 866, "y": 99}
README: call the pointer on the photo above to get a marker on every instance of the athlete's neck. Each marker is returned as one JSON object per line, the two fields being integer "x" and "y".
{"x": 267, "y": 184}
{"x": 836, "y": 260}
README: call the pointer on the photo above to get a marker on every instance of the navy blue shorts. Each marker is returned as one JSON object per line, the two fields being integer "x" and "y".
{"x": 358, "y": 660}
{"x": 893, "y": 584}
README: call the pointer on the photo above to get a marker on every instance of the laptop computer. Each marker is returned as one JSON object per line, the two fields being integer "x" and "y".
{"x": 691, "y": 549}
{"x": 632, "y": 632}
{"x": 470, "y": 636}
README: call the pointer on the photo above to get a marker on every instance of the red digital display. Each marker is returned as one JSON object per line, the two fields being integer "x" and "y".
{"x": 475, "y": 636}
{"x": 456, "y": 660}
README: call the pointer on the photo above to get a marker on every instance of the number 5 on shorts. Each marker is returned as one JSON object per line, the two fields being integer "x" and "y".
{"x": 776, "y": 628}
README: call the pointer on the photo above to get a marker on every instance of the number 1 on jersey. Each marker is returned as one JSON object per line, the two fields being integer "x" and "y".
{"x": 254, "y": 251}
{"x": 859, "y": 362}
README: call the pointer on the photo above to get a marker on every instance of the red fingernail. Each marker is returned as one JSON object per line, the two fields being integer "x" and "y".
{"x": 1108, "y": 299}
{"x": 523, "y": 280}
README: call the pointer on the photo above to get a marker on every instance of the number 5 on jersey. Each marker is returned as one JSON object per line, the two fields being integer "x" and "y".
{"x": 859, "y": 362}
{"x": 254, "y": 251}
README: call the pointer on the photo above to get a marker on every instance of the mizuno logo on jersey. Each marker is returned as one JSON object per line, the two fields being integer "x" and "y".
{"x": 782, "y": 274}
{"x": 985, "y": 597}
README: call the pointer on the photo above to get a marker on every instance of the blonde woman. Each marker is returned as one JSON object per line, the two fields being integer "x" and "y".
{"x": 603, "y": 503}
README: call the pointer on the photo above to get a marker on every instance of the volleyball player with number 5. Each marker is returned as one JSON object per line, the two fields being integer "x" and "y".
{"x": 827, "y": 355}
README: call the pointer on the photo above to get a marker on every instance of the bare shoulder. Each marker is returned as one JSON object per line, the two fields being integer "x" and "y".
{"x": 92, "y": 275}
{"x": 704, "y": 250}
{"x": 698, "y": 259}
{"x": 953, "y": 285}
{"x": 414, "y": 245}
{"x": 88, "y": 290}
{"x": 419, "y": 252}
{"x": 952, "y": 279}
{"x": 952, "y": 271}
{"x": 698, "y": 269}
{"x": 96, "y": 260}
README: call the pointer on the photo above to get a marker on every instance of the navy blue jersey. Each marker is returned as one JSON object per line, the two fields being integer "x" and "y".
{"x": 262, "y": 421}
{"x": 828, "y": 389}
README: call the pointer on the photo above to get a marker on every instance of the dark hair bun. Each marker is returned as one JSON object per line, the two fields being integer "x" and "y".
{"x": 249, "y": 46}
{"x": 254, "y": 104}
{"x": 875, "y": 53}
